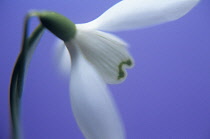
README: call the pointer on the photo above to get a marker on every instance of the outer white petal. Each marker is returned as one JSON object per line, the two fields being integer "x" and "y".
{"x": 91, "y": 101}
{"x": 106, "y": 52}
{"x": 62, "y": 58}
{"x": 132, "y": 14}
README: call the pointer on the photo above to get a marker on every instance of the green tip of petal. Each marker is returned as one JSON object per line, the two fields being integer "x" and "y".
{"x": 59, "y": 25}
{"x": 122, "y": 73}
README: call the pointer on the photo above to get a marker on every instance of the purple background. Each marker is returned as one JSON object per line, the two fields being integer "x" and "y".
{"x": 166, "y": 94}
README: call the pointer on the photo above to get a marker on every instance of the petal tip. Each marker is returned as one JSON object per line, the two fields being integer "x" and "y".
{"x": 122, "y": 74}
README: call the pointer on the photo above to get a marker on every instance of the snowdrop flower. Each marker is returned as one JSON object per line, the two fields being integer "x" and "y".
{"x": 98, "y": 58}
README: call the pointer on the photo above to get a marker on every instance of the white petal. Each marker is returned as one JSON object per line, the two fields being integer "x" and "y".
{"x": 62, "y": 58}
{"x": 132, "y": 14}
{"x": 106, "y": 52}
{"x": 91, "y": 102}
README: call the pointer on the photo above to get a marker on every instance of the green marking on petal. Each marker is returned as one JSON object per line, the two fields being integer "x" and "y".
{"x": 121, "y": 70}
{"x": 58, "y": 24}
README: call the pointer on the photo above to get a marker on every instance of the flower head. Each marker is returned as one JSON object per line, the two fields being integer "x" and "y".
{"x": 98, "y": 58}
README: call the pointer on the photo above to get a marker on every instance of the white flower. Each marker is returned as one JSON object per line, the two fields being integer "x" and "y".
{"x": 99, "y": 58}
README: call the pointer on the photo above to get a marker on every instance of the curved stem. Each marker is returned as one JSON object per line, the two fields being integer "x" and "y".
{"x": 18, "y": 75}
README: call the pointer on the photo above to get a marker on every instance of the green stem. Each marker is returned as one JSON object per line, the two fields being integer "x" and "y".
{"x": 18, "y": 75}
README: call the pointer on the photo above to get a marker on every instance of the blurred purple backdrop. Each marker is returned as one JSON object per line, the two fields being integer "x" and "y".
{"x": 166, "y": 94}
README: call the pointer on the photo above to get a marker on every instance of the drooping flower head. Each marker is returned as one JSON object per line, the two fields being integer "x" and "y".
{"x": 99, "y": 57}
